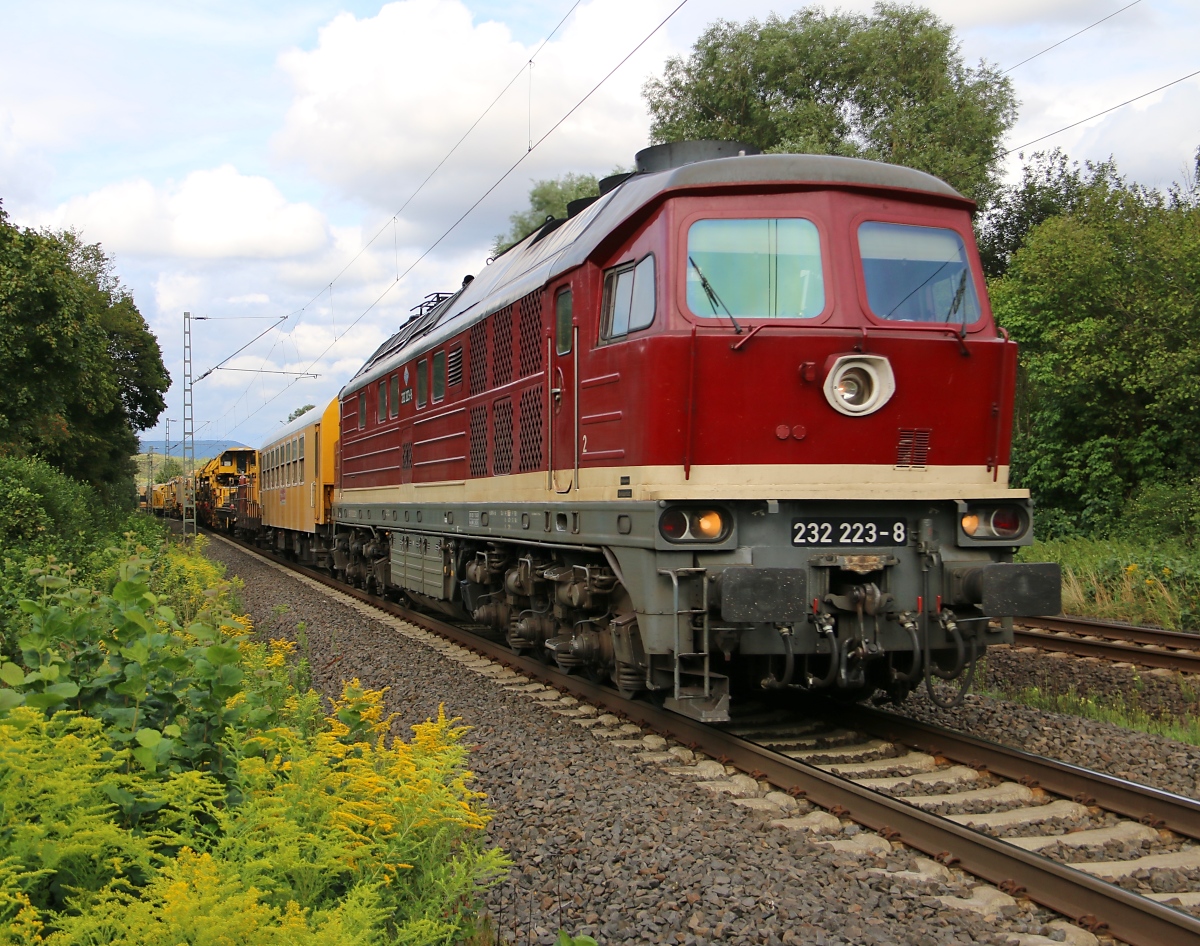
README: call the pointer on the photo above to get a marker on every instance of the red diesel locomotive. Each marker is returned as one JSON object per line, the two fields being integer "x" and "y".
{"x": 740, "y": 422}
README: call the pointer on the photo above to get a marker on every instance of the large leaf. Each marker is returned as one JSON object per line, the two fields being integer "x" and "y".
{"x": 149, "y": 738}
{"x": 11, "y": 674}
{"x": 9, "y": 699}
{"x": 220, "y": 654}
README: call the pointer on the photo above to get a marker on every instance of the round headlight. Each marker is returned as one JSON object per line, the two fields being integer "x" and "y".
{"x": 1006, "y": 522}
{"x": 855, "y": 387}
{"x": 707, "y": 524}
{"x": 859, "y": 384}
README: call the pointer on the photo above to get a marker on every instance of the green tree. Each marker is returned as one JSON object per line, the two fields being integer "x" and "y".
{"x": 1050, "y": 185}
{"x": 300, "y": 411}
{"x": 81, "y": 370}
{"x": 891, "y": 87}
{"x": 547, "y": 198}
{"x": 1105, "y": 302}
{"x": 169, "y": 469}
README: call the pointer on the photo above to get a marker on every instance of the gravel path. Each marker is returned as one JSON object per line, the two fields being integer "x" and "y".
{"x": 619, "y": 848}
{"x": 1140, "y": 757}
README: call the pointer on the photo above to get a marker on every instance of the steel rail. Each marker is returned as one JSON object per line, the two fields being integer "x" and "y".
{"x": 1131, "y": 799}
{"x": 1091, "y": 901}
{"x": 1172, "y": 650}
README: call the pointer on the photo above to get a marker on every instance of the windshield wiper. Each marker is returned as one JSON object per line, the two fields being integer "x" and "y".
{"x": 958, "y": 298}
{"x": 713, "y": 299}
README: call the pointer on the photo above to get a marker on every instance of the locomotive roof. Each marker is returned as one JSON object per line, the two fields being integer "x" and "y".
{"x": 533, "y": 262}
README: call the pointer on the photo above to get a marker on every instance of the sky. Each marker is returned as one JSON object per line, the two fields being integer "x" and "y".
{"x": 248, "y": 162}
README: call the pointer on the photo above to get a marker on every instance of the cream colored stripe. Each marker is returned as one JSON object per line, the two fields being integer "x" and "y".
{"x": 782, "y": 481}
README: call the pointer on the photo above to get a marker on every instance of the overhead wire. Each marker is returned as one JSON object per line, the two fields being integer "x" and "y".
{"x": 393, "y": 220}
{"x": 1112, "y": 108}
{"x": 463, "y": 216}
{"x": 1071, "y": 37}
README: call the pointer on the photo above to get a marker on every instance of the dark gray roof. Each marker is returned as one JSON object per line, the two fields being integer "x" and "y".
{"x": 530, "y": 265}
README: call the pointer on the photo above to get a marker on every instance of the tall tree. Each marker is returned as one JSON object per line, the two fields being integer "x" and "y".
{"x": 891, "y": 87}
{"x": 547, "y": 198}
{"x": 1105, "y": 302}
{"x": 1050, "y": 185}
{"x": 82, "y": 372}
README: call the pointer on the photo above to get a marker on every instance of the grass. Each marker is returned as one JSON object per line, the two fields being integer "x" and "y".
{"x": 1115, "y": 710}
{"x": 1129, "y": 580}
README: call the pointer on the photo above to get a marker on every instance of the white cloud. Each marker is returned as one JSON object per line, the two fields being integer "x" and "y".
{"x": 175, "y": 292}
{"x": 250, "y": 298}
{"x": 381, "y": 100}
{"x": 217, "y": 213}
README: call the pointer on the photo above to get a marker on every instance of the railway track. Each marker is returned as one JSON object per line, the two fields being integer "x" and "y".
{"x": 1082, "y": 637}
{"x": 889, "y": 774}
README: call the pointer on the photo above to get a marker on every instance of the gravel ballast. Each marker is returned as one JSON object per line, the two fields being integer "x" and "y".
{"x": 612, "y": 842}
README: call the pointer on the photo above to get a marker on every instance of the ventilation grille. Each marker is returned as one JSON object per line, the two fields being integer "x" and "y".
{"x": 531, "y": 334}
{"x": 454, "y": 367}
{"x": 502, "y": 347}
{"x": 531, "y": 413}
{"x": 912, "y": 449}
{"x": 478, "y": 448}
{"x": 502, "y": 437}
{"x": 406, "y": 457}
{"x": 478, "y": 354}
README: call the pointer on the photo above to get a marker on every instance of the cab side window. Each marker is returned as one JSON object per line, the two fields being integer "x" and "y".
{"x": 562, "y": 322}
{"x": 439, "y": 376}
{"x": 629, "y": 298}
{"x": 422, "y": 382}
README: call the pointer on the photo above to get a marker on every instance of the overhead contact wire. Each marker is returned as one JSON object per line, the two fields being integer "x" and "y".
{"x": 500, "y": 180}
{"x": 1071, "y": 37}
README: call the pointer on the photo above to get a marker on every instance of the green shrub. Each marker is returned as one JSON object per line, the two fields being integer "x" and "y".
{"x": 165, "y": 781}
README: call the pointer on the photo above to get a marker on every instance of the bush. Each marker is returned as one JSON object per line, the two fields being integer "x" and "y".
{"x": 46, "y": 519}
{"x": 166, "y": 780}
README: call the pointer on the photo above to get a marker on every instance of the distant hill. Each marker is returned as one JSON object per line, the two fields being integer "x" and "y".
{"x": 204, "y": 448}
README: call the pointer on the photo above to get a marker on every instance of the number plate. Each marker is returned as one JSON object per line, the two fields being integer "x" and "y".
{"x": 820, "y": 531}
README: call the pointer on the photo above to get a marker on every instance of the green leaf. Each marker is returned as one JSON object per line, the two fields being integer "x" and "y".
{"x": 66, "y": 690}
{"x": 118, "y": 795}
{"x": 173, "y": 731}
{"x": 9, "y": 699}
{"x": 44, "y": 700}
{"x": 148, "y": 737}
{"x": 11, "y": 674}
{"x": 128, "y": 592}
{"x": 147, "y": 758}
{"x": 220, "y": 654}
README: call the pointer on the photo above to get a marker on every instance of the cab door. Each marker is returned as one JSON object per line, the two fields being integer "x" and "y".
{"x": 564, "y": 394}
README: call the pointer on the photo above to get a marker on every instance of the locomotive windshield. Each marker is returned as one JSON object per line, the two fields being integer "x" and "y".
{"x": 917, "y": 274}
{"x": 755, "y": 269}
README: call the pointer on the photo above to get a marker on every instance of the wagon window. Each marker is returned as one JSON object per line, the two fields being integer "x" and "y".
{"x": 422, "y": 382}
{"x": 381, "y": 402}
{"x": 755, "y": 269}
{"x": 917, "y": 274}
{"x": 362, "y": 409}
{"x": 394, "y": 400}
